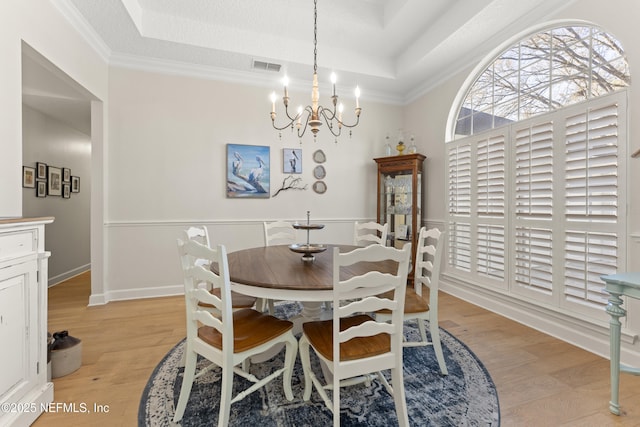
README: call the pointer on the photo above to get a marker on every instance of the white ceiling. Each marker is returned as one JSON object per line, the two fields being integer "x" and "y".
{"x": 394, "y": 50}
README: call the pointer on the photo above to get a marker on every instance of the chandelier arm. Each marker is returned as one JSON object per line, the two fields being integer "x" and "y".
{"x": 306, "y": 122}
{"x": 286, "y": 110}
{"x": 328, "y": 119}
{"x": 273, "y": 123}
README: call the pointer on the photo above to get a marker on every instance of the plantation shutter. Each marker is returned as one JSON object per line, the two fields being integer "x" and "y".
{"x": 534, "y": 171}
{"x": 460, "y": 206}
{"x": 591, "y": 202}
{"x": 491, "y": 251}
{"x": 490, "y": 176}
{"x": 490, "y": 206}
{"x": 460, "y": 179}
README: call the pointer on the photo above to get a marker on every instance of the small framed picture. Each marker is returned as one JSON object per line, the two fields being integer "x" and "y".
{"x": 402, "y": 232}
{"x": 41, "y": 189}
{"x": 28, "y": 177}
{"x": 41, "y": 170}
{"x": 66, "y": 191}
{"x": 54, "y": 181}
{"x": 66, "y": 175}
{"x": 292, "y": 160}
{"x": 75, "y": 184}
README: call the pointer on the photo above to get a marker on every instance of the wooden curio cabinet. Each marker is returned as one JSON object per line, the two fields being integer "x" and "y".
{"x": 400, "y": 198}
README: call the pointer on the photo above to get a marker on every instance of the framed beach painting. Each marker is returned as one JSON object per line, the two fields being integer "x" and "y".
{"x": 292, "y": 160}
{"x": 248, "y": 171}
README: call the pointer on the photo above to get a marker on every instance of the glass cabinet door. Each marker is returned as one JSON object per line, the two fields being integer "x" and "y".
{"x": 397, "y": 205}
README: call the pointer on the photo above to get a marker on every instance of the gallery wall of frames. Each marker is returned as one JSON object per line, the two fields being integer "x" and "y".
{"x": 50, "y": 180}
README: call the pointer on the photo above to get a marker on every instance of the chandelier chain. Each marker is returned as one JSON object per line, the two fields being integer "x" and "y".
{"x": 315, "y": 36}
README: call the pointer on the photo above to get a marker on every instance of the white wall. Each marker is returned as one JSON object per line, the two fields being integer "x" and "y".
{"x": 428, "y": 116}
{"x": 41, "y": 26}
{"x": 52, "y": 142}
{"x": 167, "y": 169}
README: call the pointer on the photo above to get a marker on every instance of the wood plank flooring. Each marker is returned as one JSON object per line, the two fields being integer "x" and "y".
{"x": 541, "y": 381}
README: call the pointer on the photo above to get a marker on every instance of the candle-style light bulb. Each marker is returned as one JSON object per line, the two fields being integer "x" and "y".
{"x": 333, "y": 82}
{"x": 340, "y": 110}
{"x": 285, "y": 82}
{"x": 299, "y": 115}
{"x": 273, "y": 102}
{"x": 357, "y": 96}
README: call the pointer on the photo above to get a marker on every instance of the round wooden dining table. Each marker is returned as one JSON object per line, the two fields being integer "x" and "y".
{"x": 278, "y": 273}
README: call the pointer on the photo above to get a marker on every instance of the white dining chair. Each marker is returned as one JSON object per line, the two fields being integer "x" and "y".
{"x": 276, "y": 233}
{"x": 419, "y": 305}
{"x": 201, "y": 235}
{"x": 352, "y": 344}
{"x": 232, "y": 338}
{"x": 368, "y": 233}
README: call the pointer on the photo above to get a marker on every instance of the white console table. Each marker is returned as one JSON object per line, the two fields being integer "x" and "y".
{"x": 618, "y": 285}
{"x": 24, "y": 389}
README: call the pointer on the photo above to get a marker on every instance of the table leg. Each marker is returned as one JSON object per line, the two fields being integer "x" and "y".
{"x": 615, "y": 310}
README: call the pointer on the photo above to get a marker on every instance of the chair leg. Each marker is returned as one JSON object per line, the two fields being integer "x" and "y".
{"x": 272, "y": 309}
{"x": 290, "y": 359}
{"x": 336, "y": 404}
{"x": 187, "y": 383}
{"x": 423, "y": 331}
{"x": 437, "y": 346}
{"x": 225, "y": 397}
{"x": 303, "y": 348}
{"x": 399, "y": 397}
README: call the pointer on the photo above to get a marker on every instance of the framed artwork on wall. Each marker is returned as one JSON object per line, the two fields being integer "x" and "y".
{"x": 28, "y": 177}
{"x": 292, "y": 160}
{"x": 54, "y": 181}
{"x": 66, "y": 191}
{"x": 66, "y": 175}
{"x": 248, "y": 171}
{"x": 41, "y": 169}
{"x": 41, "y": 189}
{"x": 75, "y": 184}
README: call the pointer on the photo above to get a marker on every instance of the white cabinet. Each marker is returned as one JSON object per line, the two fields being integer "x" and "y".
{"x": 24, "y": 389}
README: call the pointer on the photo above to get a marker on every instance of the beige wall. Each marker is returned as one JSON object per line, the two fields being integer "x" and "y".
{"x": 167, "y": 169}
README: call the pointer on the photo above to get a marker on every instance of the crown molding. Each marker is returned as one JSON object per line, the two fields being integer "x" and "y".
{"x": 80, "y": 24}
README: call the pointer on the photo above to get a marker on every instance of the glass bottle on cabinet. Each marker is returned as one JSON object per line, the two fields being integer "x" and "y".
{"x": 400, "y": 198}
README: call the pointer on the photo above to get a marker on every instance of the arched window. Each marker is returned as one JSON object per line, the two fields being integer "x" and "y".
{"x": 535, "y": 168}
{"x": 546, "y": 71}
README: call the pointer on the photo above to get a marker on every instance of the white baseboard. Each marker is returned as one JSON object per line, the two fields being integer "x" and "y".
{"x": 136, "y": 293}
{"x": 68, "y": 275}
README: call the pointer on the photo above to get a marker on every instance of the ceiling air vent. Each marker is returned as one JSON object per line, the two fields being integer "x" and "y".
{"x": 266, "y": 66}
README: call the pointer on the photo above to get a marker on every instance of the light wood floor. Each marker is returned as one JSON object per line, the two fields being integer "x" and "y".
{"x": 541, "y": 381}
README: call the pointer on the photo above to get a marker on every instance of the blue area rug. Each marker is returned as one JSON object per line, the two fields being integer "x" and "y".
{"x": 466, "y": 397}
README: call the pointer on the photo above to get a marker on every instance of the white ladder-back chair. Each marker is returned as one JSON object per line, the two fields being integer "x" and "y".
{"x": 352, "y": 344}
{"x": 417, "y": 304}
{"x": 201, "y": 235}
{"x": 232, "y": 338}
{"x": 277, "y": 233}
{"x": 367, "y": 233}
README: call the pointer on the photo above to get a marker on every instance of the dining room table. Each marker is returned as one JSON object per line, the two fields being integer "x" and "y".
{"x": 280, "y": 273}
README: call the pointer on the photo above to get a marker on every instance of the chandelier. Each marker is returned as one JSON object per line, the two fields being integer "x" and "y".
{"x": 315, "y": 114}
